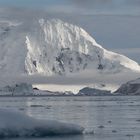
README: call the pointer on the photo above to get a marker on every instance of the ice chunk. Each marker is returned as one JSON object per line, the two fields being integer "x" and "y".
{"x": 18, "y": 89}
{"x": 15, "y": 124}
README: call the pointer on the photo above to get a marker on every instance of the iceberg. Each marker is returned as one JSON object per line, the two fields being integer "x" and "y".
{"x": 17, "y": 89}
{"x": 16, "y": 124}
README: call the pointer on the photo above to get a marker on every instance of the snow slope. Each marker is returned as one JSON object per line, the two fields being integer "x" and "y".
{"x": 25, "y": 126}
{"x": 54, "y": 47}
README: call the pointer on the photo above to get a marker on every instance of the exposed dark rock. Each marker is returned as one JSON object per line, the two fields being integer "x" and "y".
{"x": 93, "y": 91}
{"x": 130, "y": 88}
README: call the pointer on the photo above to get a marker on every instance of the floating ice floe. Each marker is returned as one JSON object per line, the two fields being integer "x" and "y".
{"x": 15, "y": 124}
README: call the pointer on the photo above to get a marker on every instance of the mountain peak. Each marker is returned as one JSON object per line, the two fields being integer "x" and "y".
{"x": 68, "y": 48}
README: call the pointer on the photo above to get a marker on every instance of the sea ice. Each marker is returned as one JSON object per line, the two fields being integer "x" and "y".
{"x": 15, "y": 124}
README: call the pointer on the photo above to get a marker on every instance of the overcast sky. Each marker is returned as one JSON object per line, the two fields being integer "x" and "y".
{"x": 85, "y": 6}
{"x": 113, "y": 23}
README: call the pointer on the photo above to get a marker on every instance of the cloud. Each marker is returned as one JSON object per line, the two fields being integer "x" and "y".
{"x": 122, "y": 7}
{"x": 92, "y": 3}
{"x": 82, "y": 78}
{"x": 132, "y": 2}
{"x": 106, "y": 7}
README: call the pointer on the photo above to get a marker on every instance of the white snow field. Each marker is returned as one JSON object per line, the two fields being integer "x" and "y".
{"x": 15, "y": 124}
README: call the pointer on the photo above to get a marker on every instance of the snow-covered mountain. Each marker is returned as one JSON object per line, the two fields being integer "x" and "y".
{"x": 130, "y": 88}
{"x": 53, "y": 47}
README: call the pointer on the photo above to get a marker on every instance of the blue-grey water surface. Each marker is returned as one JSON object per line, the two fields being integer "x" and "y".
{"x": 111, "y": 117}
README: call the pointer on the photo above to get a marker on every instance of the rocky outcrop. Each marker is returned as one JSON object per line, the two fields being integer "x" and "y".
{"x": 130, "y": 88}
{"x": 93, "y": 91}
